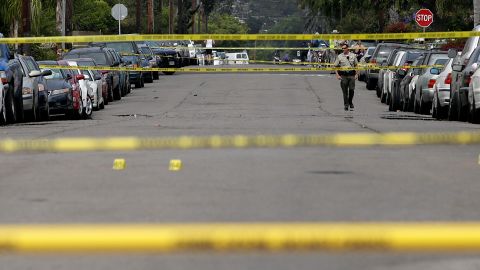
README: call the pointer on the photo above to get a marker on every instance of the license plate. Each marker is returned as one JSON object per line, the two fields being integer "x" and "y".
{"x": 171, "y": 63}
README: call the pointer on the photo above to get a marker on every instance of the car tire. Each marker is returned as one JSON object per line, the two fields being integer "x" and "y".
{"x": 461, "y": 110}
{"x": 45, "y": 113}
{"x": 87, "y": 112}
{"x": 383, "y": 97}
{"x": 19, "y": 113}
{"x": 474, "y": 113}
{"x": 168, "y": 72}
{"x": 10, "y": 107}
{"x": 117, "y": 95}
{"x": 142, "y": 82}
{"x": 156, "y": 75}
{"x": 77, "y": 114}
{"x": 370, "y": 84}
{"x": 110, "y": 92}
{"x": 416, "y": 106}
{"x": 149, "y": 78}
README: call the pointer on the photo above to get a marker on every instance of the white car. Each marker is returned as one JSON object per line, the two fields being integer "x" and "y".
{"x": 3, "y": 111}
{"x": 474, "y": 97}
{"x": 388, "y": 75}
{"x": 441, "y": 92}
{"x": 87, "y": 90}
{"x": 237, "y": 58}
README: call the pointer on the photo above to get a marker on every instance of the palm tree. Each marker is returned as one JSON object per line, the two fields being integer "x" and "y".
{"x": 11, "y": 12}
{"x": 476, "y": 12}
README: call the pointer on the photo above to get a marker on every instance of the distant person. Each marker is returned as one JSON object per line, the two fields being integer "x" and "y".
{"x": 209, "y": 50}
{"x": 347, "y": 78}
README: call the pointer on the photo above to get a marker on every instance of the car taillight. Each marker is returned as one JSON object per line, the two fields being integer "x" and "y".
{"x": 373, "y": 61}
{"x": 468, "y": 79}
{"x": 448, "y": 80}
{"x": 3, "y": 77}
{"x": 431, "y": 83}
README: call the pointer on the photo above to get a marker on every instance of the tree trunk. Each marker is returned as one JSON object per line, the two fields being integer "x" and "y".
{"x": 170, "y": 17}
{"x": 194, "y": 4}
{"x": 58, "y": 16}
{"x": 26, "y": 24}
{"x": 476, "y": 12}
{"x": 160, "y": 9}
{"x": 150, "y": 16}
{"x": 138, "y": 14}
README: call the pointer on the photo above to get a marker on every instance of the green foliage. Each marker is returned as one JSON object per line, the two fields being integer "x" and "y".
{"x": 226, "y": 24}
{"x": 93, "y": 15}
{"x": 43, "y": 53}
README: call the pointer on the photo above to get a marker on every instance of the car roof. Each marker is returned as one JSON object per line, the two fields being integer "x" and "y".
{"x": 87, "y": 49}
{"x": 47, "y": 62}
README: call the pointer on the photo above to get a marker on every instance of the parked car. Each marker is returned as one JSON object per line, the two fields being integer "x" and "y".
{"x": 3, "y": 112}
{"x": 379, "y": 56}
{"x": 63, "y": 91}
{"x": 168, "y": 56}
{"x": 395, "y": 60}
{"x": 95, "y": 80}
{"x": 394, "y": 97}
{"x": 441, "y": 91}
{"x": 102, "y": 57}
{"x": 408, "y": 75}
{"x": 364, "y": 61}
{"x": 389, "y": 61}
{"x": 458, "y": 106}
{"x": 237, "y": 58}
{"x": 148, "y": 61}
{"x": 131, "y": 56}
{"x": 474, "y": 96}
{"x": 426, "y": 81}
{"x": 35, "y": 91}
{"x": 125, "y": 86}
{"x": 12, "y": 80}
{"x": 86, "y": 89}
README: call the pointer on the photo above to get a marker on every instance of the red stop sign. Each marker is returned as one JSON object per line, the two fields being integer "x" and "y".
{"x": 424, "y": 17}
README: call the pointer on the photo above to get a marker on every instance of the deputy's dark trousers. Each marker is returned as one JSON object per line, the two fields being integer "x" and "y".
{"x": 348, "y": 87}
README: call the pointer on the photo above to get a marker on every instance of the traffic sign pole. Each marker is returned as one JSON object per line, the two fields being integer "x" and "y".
{"x": 119, "y": 24}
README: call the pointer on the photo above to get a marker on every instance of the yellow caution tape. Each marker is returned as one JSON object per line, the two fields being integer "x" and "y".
{"x": 112, "y": 38}
{"x": 239, "y": 141}
{"x": 245, "y": 69}
{"x": 241, "y": 237}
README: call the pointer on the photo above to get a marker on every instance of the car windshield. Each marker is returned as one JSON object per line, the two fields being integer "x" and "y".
{"x": 99, "y": 57}
{"x": 56, "y": 74}
{"x": 122, "y": 47}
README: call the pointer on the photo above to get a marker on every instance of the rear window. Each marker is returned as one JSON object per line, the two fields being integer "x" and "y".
{"x": 412, "y": 56}
{"x": 437, "y": 59}
{"x": 383, "y": 53}
{"x": 122, "y": 47}
{"x": 99, "y": 57}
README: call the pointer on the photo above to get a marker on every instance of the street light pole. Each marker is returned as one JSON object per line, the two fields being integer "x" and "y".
{"x": 64, "y": 8}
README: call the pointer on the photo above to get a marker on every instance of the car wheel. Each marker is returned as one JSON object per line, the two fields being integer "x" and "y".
{"x": 474, "y": 115}
{"x": 10, "y": 106}
{"x": 424, "y": 108}
{"x": 452, "y": 109}
{"x": 87, "y": 112}
{"x": 45, "y": 113}
{"x": 370, "y": 85}
{"x": 110, "y": 92}
{"x": 416, "y": 106}
{"x": 77, "y": 114}
{"x": 462, "y": 115}
{"x": 138, "y": 83}
{"x": 156, "y": 76}
{"x": 116, "y": 93}
{"x": 149, "y": 78}
{"x": 18, "y": 99}
{"x": 383, "y": 97}
{"x": 168, "y": 72}
{"x": 142, "y": 82}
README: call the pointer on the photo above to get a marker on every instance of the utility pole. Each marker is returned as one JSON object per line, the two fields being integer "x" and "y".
{"x": 138, "y": 14}
{"x": 194, "y": 5}
{"x": 68, "y": 20}
{"x": 26, "y": 24}
{"x": 150, "y": 16}
{"x": 476, "y": 12}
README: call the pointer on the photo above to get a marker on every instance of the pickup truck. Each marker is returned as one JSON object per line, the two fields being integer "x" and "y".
{"x": 12, "y": 80}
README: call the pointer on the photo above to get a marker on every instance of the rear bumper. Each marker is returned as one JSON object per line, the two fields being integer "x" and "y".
{"x": 443, "y": 96}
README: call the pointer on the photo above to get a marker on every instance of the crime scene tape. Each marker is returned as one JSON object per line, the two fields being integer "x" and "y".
{"x": 238, "y": 141}
{"x": 155, "y": 37}
{"x": 377, "y": 237}
{"x": 228, "y": 69}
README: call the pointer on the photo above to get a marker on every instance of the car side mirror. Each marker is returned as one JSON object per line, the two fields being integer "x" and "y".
{"x": 116, "y": 63}
{"x": 69, "y": 77}
{"x": 434, "y": 71}
{"x": 35, "y": 73}
{"x": 402, "y": 72}
{"x": 47, "y": 72}
{"x": 80, "y": 77}
{"x": 452, "y": 53}
{"x": 150, "y": 58}
{"x": 474, "y": 67}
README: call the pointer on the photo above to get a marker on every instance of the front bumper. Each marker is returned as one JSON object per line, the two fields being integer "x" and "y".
{"x": 60, "y": 103}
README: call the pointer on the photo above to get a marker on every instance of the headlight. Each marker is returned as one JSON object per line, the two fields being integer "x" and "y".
{"x": 59, "y": 91}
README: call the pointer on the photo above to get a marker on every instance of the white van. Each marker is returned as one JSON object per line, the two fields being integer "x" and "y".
{"x": 237, "y": 58}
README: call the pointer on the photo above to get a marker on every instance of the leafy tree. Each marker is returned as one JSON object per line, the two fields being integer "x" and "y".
{"x": 92, "y": 15}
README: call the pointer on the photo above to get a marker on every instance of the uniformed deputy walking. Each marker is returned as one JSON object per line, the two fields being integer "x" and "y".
{"x": 347, "y": 77}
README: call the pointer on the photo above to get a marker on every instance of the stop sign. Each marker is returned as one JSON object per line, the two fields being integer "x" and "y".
{"x": 424, "y": 17}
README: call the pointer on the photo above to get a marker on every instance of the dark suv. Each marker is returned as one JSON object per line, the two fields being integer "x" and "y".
{"x": 130, "y": 52}
{"x": 379, "y": 56}
{"x": 102, "y": 57}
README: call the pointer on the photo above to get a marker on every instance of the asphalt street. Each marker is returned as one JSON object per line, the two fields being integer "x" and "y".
{"x": 417, "y": 183}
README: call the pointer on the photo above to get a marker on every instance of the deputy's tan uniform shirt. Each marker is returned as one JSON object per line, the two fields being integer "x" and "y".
{"x": 343, "y": 60}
